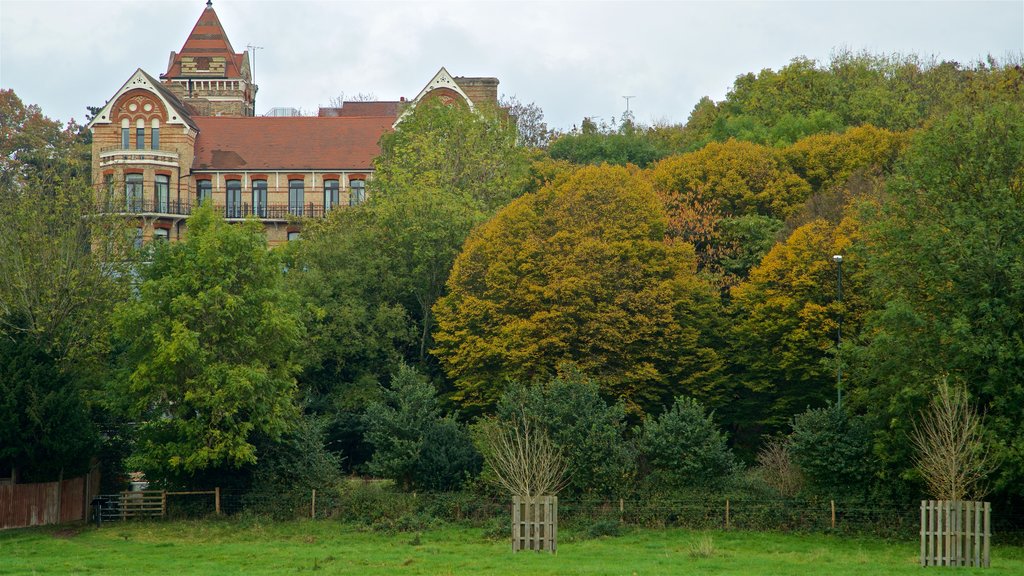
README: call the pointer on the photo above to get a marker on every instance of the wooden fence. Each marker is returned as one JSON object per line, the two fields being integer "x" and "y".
{"x": 23, "y": 505}
{"x": 535, "y": 523}
{"x": 955, "y": 533}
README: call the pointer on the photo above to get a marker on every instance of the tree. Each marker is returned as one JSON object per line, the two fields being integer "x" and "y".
{"x": 529, "y": 119}
{"x": 684, "y": 448}
{"x": 786, "y": 316}
{"x": 209, "y": 350}
{"x": 950, "y": 443}
{"x": 519, "y": 456}
{"x": 578, "y": 272}
{"x": 946, "y": 257}
{"x": 833, "y": 450}
{"x": 413, "y": 444}
{"x": 45, "y": 427}
{"x": 589, "y": 432}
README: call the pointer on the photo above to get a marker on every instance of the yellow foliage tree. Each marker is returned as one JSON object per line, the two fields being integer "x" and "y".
{"x": 578, "y": 272}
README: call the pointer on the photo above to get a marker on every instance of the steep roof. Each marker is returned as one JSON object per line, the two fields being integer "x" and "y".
{"x": 207, "y": 39}
{"x": 140, "y": 79}
{"x": 288, "y": 143}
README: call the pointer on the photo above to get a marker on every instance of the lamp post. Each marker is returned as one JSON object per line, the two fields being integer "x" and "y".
{"x": 838, "y": 258}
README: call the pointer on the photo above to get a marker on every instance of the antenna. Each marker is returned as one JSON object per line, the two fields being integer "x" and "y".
{"x": 253, "y": 49}
{"x": 627, "y": 102}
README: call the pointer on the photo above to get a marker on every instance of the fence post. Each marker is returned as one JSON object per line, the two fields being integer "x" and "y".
{"x": 312, "y": 509}
{"x": 726, "y": 513}
{"x": 216, "y": 500}
{"x": 988, "y": 533}
{"x": 833, "y": 514}
{"x": 622, "y": 511}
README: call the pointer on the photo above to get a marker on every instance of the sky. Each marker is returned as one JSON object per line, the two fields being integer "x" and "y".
{"x": 573, "y": 59}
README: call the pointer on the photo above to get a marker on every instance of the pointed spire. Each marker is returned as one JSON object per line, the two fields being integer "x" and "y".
{"x": 207, "y": 51}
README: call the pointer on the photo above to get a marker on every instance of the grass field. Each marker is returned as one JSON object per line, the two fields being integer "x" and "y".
{"x": 328, "y": 547}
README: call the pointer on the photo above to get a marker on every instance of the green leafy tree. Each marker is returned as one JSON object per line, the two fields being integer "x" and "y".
{"x": 45, "y": 427}
{"x": 209, "y": 350}
{"x": 578, "y": 272}
{"x": 413, "y": 444}
{"x": 833, "y": 450}
{"x": 588, "y": 431}
{"x": 946, "y": 256}
{"x": 684, "y": 448}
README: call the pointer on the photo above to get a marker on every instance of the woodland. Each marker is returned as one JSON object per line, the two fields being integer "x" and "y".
{"x": 663, "y": 300}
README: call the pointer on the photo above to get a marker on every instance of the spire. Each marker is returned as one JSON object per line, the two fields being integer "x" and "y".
{"x": 207, "y": 52}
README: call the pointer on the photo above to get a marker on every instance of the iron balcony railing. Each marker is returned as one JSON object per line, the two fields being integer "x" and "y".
{"x": 239, "y": 210}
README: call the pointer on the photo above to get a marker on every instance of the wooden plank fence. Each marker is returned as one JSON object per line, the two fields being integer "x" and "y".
{"x": 955, "y": 533}
{"x": 23, "y": 505}
{"x": 535, "y": 523}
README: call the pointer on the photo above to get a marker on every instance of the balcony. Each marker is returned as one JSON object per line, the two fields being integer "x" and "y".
{"x": 281, "y": 212}
{"x": 118, "y": 155}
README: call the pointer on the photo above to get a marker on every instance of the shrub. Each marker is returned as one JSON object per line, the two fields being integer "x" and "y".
{"x": 587, "y": 430}
{"x": 413, "y": 445}
{"x": 833, "y": 449}
{"x": 683, "y": 447}
{"x": 776, "y": 467}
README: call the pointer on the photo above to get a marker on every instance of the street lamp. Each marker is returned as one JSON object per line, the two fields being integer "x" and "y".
{"x": 838, "y": 258}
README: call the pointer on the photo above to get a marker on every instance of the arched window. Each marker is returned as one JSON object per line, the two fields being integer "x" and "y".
{"x": 161, "y": 234}
{"x": 154, "y": 142}
{"x": 357, "y": 194}
{"x": 140, "y": 134}
{"x": 292, "y": 236}
{"x": 125, "y": 138}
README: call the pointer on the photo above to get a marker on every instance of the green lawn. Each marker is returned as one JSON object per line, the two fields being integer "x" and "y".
{"x": 328, "y": 547}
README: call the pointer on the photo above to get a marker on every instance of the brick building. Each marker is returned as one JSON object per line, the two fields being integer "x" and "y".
{"x": 162, "y": 146}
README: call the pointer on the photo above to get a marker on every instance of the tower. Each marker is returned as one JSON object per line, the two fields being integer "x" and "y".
{"x": 207, "y": 75}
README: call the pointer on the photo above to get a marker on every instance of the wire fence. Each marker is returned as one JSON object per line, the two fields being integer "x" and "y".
{"x": 386, "y": 509}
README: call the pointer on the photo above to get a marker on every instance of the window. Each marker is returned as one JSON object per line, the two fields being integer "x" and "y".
{"x": 259, "y": 198}
{"x": 162, "y": 191}
{"x": 161, "y": 234}
{"x": 296, "y": 196}
{"x": 204, "y": 190}
{"x": 140, "y": 135}
{"x": 124, "y": 134}
{"x": 330, "y": 194}
{"x": 137, "y": 241}
{"x": 155, "y": 140}
{"x": 292, "y": 236}
{"x": 358, "y": 192}
{"x": 233, "y": 203}
{"x": 133, "y": 192}
{"x": 108, "y": 187}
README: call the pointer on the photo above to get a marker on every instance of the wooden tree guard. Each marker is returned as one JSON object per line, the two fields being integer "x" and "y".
{"x": 535, "y": 523}
{"x": 955, "y": 533}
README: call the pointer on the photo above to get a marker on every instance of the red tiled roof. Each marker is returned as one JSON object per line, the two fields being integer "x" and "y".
{"x": 349, "y": 109}
{"x": 207, "y": 39}
{"x": 287, "y": 143}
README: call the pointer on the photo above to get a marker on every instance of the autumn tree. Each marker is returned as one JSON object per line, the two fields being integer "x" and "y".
{"x": 578, "y": 272}
{"x": 209, "y": 350}
{"x": 784, "y": 337}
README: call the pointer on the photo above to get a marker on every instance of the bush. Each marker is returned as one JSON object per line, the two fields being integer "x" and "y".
{"x": 683, "y": 447}
{"x": 587, "y": 430}
{"x": 290, "y": 469}
{"x": 833, "y": 449}
{"x": 413, "y": 445}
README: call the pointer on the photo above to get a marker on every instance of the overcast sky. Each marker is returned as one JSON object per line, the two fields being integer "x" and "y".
{"x": 573, "y": 59}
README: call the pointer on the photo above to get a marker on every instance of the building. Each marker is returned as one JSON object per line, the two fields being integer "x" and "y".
{"x": 163, "y": 146}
